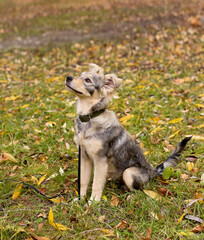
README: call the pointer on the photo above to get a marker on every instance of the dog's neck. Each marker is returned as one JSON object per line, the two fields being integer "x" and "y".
{"x": 86, "y": 105}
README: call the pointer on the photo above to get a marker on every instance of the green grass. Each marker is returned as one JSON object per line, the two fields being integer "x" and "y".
{"x": 37, "y": 119}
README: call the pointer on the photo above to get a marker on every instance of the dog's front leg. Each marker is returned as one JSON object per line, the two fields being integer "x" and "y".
{"x": 86, "y": 169}
{"x": 100, "y": 175}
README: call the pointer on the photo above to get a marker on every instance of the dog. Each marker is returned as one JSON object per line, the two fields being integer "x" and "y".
{"x": 106, "y": 147}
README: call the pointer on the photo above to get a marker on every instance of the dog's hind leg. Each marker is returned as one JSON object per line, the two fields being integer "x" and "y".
{"x": 135, "y": 177}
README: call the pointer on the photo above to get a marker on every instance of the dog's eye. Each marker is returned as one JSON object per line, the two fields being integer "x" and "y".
{"x": 87, "y": 80}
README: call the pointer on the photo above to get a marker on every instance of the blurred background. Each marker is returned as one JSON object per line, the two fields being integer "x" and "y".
{"x": 31, "y": 23}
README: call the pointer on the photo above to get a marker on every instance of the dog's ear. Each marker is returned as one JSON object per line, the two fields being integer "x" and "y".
{"x": 111, "y": 83}
{"x": 96, "y": 69}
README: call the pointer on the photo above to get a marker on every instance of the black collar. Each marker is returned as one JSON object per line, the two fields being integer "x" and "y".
{"x": 88, "y": 117}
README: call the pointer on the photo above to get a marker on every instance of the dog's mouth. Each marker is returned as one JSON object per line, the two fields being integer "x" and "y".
{"x": 72, "y": 89}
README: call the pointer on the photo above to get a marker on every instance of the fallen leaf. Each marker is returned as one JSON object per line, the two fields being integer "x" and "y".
{"x": 55, "y": 225}
{"x": 50, "y": 124}
{"x": 114, "y": 201}
{"x": 202, "y": 179}
{"x": 198, "y": 228}
{"x": 178, "y": 81}
{"x": 165, "y": 192}
{"x": 126, "y": 118}
{"x": 190, "y": 166}
{"x": 174, "y": 134}
{"x": 67, "y": 145}
{"x": 180, "y": 219}
{"x": 7, "y": 156}
{"x": 17, "y": 192}
{"x": 148, "y": 236}
{"x": 153, "y": 195}
{"x": 42, "y": 179}
{"x": 198, "y": 138}
{"x": 184, "y": 176}
{"x": 199, "y": 105}
{"x": 50, "y": 217}
{"x": 104, "y": 198}
{"x": 186, "y": 233}
{"x": 59, "y": 226}
{"x": 40, "y": 226}
{"x": 102, "y": 218}
{"x": 121, "y": 225}
{"x": 193, "y": 21}
{"x": 39, "y": 238}
{"x": 176, "y": 120}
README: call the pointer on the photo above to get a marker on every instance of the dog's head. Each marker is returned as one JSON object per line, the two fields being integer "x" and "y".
{"x": 93, "y": 84}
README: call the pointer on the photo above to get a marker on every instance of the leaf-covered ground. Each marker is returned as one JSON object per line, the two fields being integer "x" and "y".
{"x": 158, "y": 51}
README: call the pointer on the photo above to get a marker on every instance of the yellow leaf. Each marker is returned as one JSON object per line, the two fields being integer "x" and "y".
{"x": 199, "y": 138}
{"x": 190, "y": 166}
{"x": 174, "y": 134}
{"x": 126, "y": 118}
{"x": 17, "y": 192}
{"x": 155, "y": 130}
{"x": 59, "y": 226}
{"x": 179, "y": 220}
{"x": 146, "y": 153}
{"x": 42, "y": 179}
{"x": 199, "y": 105}
{"x": 34, "y": 179}
{"x": 7, "y": 156}
{"x": 176, "y": 120}
{"x": 24, "y": 106}
{"x": 186, "y": 233}
{"x": 50, "y": 217}
{"x": 200, "y": 126}
{"x": 153, "y": 195}
{"x": 104, "y": 197}
{"x": 56, "y": 200}
{"x": 105, "y": 230}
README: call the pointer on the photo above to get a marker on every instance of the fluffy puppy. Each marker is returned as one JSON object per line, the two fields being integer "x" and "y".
{"x": 107, "y": 148}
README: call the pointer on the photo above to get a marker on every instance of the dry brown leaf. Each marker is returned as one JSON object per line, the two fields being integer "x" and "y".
{"x": 40, "y": 226}
{"x": 121, "y": 225}
{"x": 178, "y": 81}
{"x": 102, "y": 218}
{"x": 39, "y": 238}
{"x": 148, "y": 237}
{"x": 114, "y": 201}
{"x": 194, "y": 21}
{"x": 198, "y": 228}
{"x": 184, "y": 176}
{"x": 165, "y": 192}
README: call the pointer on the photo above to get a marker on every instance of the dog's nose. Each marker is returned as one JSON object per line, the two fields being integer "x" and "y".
{"x": 69, "y": 79}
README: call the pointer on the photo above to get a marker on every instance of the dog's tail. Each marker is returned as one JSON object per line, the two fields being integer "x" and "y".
{"x": 172, "y": 160}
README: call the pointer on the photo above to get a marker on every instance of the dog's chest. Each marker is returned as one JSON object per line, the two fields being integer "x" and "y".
{"x": 85, "y": 137}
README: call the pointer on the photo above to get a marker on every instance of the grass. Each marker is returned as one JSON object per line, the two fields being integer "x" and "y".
{"x": 162, "y": 70}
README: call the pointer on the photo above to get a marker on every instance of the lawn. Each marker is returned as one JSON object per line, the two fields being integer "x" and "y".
{"x": 158, "y": 51}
